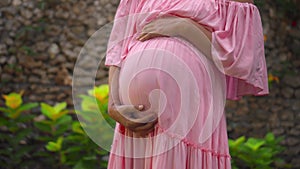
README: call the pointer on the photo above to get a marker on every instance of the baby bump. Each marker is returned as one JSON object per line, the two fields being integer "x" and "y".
{"x": 166, "y": 77}
{"x": 154, "y": 89}
{"x": 186, "y": 89}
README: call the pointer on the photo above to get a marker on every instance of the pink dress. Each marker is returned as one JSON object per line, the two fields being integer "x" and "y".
{"x": 169, "y": 76}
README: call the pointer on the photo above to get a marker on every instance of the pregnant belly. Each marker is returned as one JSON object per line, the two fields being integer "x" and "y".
{"x": 174, "y": 80}
{"x": 143, "y": 68}
{"x": 163, "y": 74}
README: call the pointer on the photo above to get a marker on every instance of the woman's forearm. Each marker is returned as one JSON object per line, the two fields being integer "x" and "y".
{"x": 113, "y": 81}
{"x": 197, "y": 35}
{"x": 129, "y": 116}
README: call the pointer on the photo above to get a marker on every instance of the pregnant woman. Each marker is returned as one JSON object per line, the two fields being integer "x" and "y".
{"x": 173, "y": 64}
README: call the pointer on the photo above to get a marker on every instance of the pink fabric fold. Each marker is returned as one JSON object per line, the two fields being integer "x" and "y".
{"x": 240, "y": 48}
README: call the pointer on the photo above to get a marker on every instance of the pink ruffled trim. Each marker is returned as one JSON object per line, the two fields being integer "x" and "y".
{"x": 188, "y": 143}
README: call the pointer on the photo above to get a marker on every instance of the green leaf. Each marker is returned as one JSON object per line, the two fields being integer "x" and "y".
{"x": 265, "y": 153}
{"x": 64, "y": 120}
{"x": 27, "y": 106}
{"x": 237, "y": 142}
{"x": 88, "y": 163}
{"x": 60, "y": 114}
{"x": 5, "y": 110}
{"x": 76, "y": 128}
{"x": 55, "y": 146}
{"x": 73, "y": 149}
{"x": 26, "y": 118}
{"x": 86, "y": 116}
{"x": 61, "y": 130}
{"x": 3, "y": 121}
{"x": 270, "y": 137}
{"x": 63, "y": 158}
{"x": 52, "y": 146}
{"x": 59, "y": 107}
{"x": 63, "y": 124}
{"x": 254, "y": 144}
{"x": 81, "y": 165}
{"x": 101, "y": 93}
{"x": 47, "y": 110}
{"x": 75, "y": 138}
{"x": 102, "y": 152}
{"x": 89, "y": 103}
{"x": 21, "y": 135}
{"x": 90, "y": 158}
{"x": 44, "y": 126}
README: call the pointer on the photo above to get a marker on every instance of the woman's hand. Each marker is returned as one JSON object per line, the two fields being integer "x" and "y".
{"x": 161, "y": 27}
{"x": 133, "y": 118}
{"x": 185, "y": 28}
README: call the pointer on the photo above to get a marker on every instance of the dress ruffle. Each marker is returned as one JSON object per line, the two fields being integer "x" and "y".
{"x": 240, "y": 48}
{"x": 182, "y": 154}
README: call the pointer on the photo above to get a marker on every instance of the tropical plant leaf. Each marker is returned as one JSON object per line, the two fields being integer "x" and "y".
{"x": 89, "y": 103}
{"x": 59, "y": 107}
{"x": 76, "y": 128}
{"x": 27, "y": 106}
{"x": 59, "y": 115}
{"x": 44, "y": 126}
{"x": 254, "y": 144}
{"x": 47, "y": 110}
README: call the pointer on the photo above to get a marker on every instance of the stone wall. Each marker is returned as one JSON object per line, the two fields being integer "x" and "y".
{"x": 41, "y": 40}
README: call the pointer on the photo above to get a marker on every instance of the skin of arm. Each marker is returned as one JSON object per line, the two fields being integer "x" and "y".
{"x": 113, "y": 81}
{"x": 181, "y": 27}
{"x": 130, "y": 116}
{"x": 197, "y": 35}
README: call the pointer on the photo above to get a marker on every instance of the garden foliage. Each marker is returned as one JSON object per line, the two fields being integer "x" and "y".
{"x": 54, "y": 138}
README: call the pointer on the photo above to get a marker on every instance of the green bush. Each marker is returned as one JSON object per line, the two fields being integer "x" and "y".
{"x": 256, "y": 153}
{"x": 54, "y": 138}
{"x": 68, "y": 142}
{"x": 16, "y": 131}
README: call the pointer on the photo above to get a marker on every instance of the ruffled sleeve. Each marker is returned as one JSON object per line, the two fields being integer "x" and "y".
{"x": 240, "y": 48}
{"x": 120, "y": 34}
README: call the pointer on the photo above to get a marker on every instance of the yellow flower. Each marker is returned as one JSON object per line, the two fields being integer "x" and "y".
{"x": 272, "y": 78}
{"x": 265, "y": 38}
{"x": 101, "y": 93}
{"x": 13, "y": 100}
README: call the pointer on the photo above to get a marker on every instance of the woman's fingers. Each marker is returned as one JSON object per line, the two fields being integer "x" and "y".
{"x": 140, "y": 120}
{"x": 147, "y": 36}
{"x": 136, "y": 120}
{"x": 144, "y": 36}
{"x": 144, "y": 130}
{"x": 146, "y": 127}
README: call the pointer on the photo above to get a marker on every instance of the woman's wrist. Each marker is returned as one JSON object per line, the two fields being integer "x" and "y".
{"x": 182, "y": 27}
{"x": 188, "y": 26}
{"x": 196, "y": 35}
